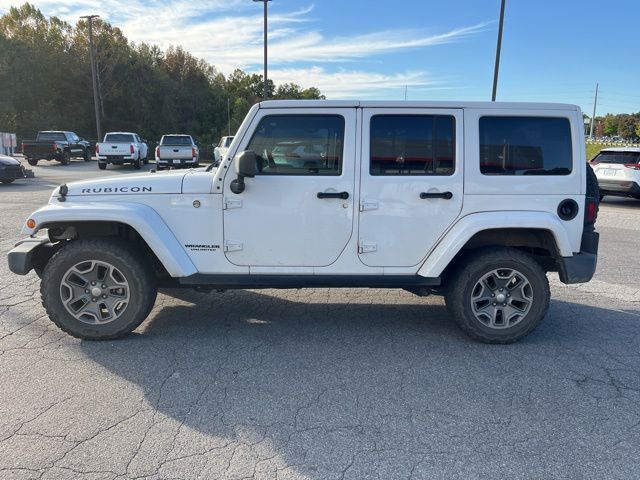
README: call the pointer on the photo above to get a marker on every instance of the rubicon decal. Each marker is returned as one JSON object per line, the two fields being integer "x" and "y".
{"x": 117, "y": 190}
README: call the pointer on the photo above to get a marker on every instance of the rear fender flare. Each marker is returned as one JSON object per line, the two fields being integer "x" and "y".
{"x": 463, "y": 230}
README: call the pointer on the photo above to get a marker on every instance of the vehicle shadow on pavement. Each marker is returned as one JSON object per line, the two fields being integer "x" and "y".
{"x": 321, "y": 382}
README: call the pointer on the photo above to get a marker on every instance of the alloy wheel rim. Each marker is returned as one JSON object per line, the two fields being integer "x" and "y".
{"x": 95, "y": 292}
{"x": 501, "y": 298}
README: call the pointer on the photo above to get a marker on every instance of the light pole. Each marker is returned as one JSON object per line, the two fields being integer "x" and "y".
{"x": 498, "y": 47}
{"x": 264, "y": 92}
{"x": 94, "y": 74}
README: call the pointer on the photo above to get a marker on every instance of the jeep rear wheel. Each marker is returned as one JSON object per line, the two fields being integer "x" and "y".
{"x": 97, "y": 289}
{"x": 499, "y": 296}
{"x": 32, "y": 161}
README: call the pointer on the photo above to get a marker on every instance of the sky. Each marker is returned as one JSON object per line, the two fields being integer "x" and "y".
{"x": 553, "y": 50}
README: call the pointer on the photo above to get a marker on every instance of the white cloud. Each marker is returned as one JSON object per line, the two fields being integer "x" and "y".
{"x": 356, "y": 84}
{"x": 228, "y": 34}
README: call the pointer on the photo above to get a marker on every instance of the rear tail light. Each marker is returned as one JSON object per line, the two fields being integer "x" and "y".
{"x": 131, "y": 149}
{"x": 594, "y": 162}
{"x": 97, "y": 149}
{"x": 157, "y": 152}
{"x": 193, "y": 152}
{"x": 54, "y": 147}
{"x": 591, "y": 211}
{"x": 22, "y": 146}
{"x": 635, "y": 166}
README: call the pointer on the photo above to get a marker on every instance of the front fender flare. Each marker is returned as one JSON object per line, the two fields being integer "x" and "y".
{"x": 142, "y": 218}
{"x": 466, "y": 227}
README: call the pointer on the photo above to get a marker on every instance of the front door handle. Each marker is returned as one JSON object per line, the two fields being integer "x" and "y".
{"x": 445, "y": 195}
{"x": 342, "y": 195}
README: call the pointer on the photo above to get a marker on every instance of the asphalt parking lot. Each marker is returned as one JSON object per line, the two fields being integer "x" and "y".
{"x": 321, "y": 384}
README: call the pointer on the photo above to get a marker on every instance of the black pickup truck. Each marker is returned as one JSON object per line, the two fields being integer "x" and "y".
{"x": 56, "y": 145}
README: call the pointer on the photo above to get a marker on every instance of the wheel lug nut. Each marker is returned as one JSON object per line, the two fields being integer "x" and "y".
{"x": 504, "y": 304}
{"x": 93, "y": 299}
{"x": 104, "y": 296}
{"x": 86, "y": 291}
{"x": 494, "y": 304}
{"x": 93, "y": 283}
{"x": 493, "y": 294}
{"x": 104, "y": 286}
{"x": 501, "y": 289}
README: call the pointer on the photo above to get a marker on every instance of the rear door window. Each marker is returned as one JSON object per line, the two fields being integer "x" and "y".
{"x": 525, "y": 146}
{"x": 412, "y": 145}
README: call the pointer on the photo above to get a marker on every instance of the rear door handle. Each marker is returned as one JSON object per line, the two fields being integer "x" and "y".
{"x": 444, "y": 195}
{"x": 342, "y": 195}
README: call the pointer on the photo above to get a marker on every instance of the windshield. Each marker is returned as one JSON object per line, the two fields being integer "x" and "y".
{"x": 620, "y": 158}
{"x": 54, "y": 136}
{"x": 176, "y": 140}
{"x": 118, "y": 138}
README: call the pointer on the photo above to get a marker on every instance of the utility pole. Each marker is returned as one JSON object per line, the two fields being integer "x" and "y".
{"x": 229, "y": 114}
{"x": 593, "y": 117}
{"x": 94, "y": 75}
{"x": 498, "y": 47}
{"x": 264, "y": 92}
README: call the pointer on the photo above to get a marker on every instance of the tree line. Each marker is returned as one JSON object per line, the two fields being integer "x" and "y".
{"x": 45, "y": 83}
{"x": 622, "y": 125}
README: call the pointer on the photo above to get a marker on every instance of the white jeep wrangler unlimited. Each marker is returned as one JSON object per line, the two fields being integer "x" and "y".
{"x": 474, "y": 201}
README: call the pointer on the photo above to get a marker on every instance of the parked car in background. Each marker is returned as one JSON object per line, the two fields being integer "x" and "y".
{"x": 221, "y": 149}
{"x": 618, "y": 171}
{"x": 119, "y": 148}
{"x": 11, "y": 169}
{"x": 176, "y": 151}
{"x": 56, "y": 145}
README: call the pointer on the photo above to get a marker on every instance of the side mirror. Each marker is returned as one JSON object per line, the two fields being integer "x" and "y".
{"x": 245, "y": 167}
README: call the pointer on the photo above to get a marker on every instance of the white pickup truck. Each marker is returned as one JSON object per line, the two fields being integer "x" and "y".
{"x": 221, "y": 149}
{"x": 473, "y": 201}
{"x": 177, "y": 151}
{"x": 119, "y": 148}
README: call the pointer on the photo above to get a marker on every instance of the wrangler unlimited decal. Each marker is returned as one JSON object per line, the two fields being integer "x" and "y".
{"x": 116, "y": 190}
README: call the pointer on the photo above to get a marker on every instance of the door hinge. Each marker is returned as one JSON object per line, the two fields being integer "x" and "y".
{"x": 368, "y": 205}
{"x": 232, "y": 246}
{"x": 232, "y": 203}
{"x": 367, "y": 247}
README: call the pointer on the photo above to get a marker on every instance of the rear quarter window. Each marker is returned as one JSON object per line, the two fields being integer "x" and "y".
{"x": 525, "y": 146}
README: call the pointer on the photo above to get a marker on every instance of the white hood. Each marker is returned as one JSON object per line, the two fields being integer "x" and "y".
{"x": 141, "y": 184}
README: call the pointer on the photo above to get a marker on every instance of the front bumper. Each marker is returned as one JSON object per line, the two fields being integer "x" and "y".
{"x": 580, "y": 267}
{"x": 30, "y": 253}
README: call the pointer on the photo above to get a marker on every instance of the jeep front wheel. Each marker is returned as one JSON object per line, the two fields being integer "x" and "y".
{"x": 499, "y": 296}
{"x": 97, "y": 289}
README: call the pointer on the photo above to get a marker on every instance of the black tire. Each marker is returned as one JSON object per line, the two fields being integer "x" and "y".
{"x": 32, "y": 161}
{"x": 145, "y": 160}
{"x": 137, "y": 163}
{"x": 136, "y": 271}
{"x": 102, "y": 165}
{"x": 86, "y": 155}
{"x": 464, "y": 279}
{"x": 7, "y": 181}
{"x": 65, "y": 159}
